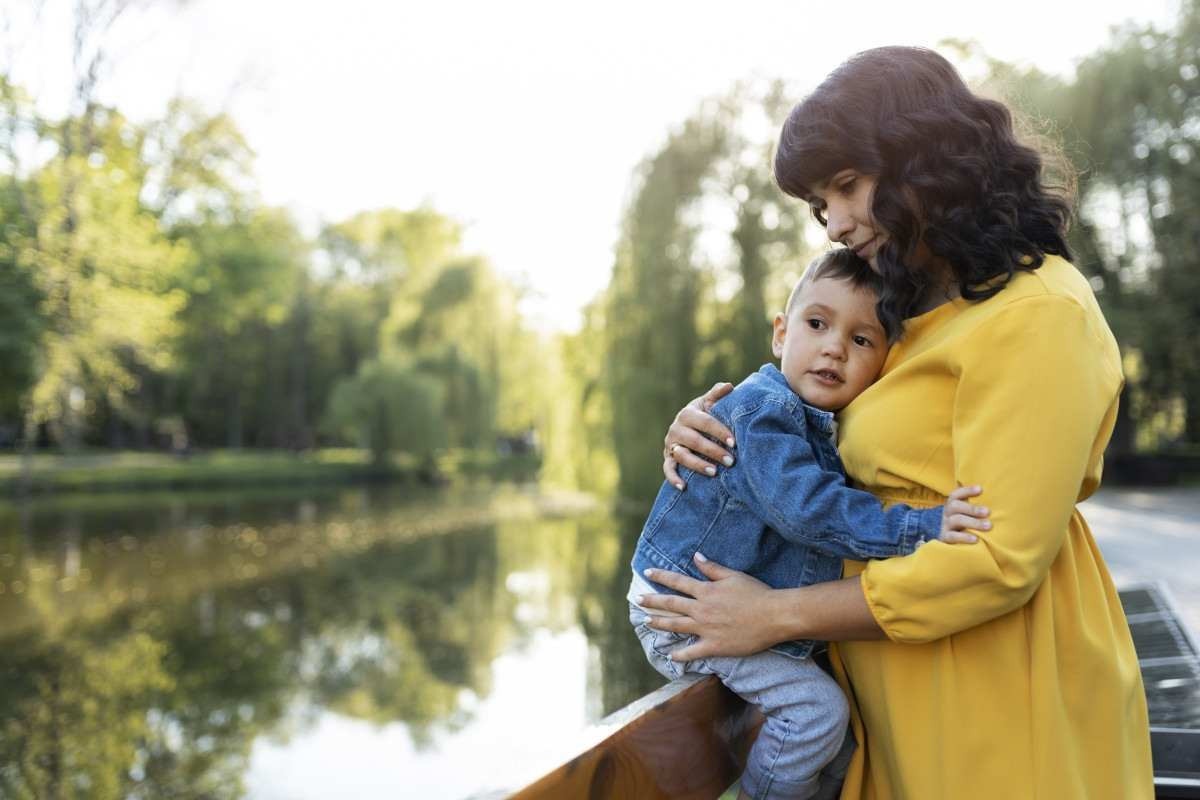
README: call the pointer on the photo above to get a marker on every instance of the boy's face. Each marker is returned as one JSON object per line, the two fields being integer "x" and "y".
{"x": 831, "y": 347}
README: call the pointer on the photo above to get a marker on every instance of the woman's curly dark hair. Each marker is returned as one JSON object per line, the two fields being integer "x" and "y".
{"x": 948, "y": 167}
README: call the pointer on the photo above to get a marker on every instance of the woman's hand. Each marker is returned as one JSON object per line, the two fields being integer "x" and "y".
{"x": 728, "y": 612}
{"x": 691, "y": 441}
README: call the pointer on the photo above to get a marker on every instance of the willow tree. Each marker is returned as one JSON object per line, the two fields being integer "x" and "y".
{"x": 446, "y": 320}
{"x": 707, "y": 248}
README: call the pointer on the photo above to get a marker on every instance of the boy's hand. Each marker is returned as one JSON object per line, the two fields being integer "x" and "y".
{"x": 959, "y": 516}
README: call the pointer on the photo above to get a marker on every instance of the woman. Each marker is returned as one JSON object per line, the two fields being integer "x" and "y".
{"x": 1005, "y": 669}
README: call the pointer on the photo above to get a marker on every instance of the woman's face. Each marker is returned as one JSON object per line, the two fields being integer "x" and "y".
{"x": 844, "y": 201}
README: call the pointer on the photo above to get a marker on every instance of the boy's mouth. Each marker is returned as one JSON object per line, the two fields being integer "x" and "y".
{"x": 826, "y": 376}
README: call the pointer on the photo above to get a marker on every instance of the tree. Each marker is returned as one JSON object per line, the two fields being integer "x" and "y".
{"x": 102, "y": 269}
{"x": 388, "y": 408}
{"x": 242, "y": 285}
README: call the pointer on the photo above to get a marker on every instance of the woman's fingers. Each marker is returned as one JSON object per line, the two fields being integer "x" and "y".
{"x": 683, "y": 456}
{"x": 670, "y": 473}
{"x": 688, "y": 448}
{"x": 681, "y": 624}
{"x": 688, "y": 438}
{"x": 958, "y": 537}
{"x": 685, "y": 626}
{"x": 675, "y": 581}
{"x": 710, "y": 398}
{"x": 703, "y": 425}
{"x": 711, "y": 569}
{"x": 697, "y": 649}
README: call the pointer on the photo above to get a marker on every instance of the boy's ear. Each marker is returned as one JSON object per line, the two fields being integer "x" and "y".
{"x": 779, "y": 332}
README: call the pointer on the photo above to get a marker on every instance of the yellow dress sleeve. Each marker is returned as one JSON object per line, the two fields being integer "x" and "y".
{"x": 1034, "y": 406}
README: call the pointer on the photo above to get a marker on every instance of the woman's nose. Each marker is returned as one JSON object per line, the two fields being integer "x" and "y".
{"x": 837, "y": 223}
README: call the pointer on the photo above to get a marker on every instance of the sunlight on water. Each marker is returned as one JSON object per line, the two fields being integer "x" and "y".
{"x": 508, "y": 732}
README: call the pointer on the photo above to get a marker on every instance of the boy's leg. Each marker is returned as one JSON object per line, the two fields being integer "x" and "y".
{"x": 807, "y": 718}
{"x": 834, "y": 775}
{"x": 806, "y": 721}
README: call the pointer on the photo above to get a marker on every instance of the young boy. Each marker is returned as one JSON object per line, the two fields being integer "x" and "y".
{"x": 784, "y": 514}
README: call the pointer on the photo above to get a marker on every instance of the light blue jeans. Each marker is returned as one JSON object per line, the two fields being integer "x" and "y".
{"x": 804, "y": 746}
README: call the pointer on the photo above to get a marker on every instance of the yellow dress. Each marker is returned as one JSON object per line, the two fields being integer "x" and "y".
{"x": 1008, "y": 671}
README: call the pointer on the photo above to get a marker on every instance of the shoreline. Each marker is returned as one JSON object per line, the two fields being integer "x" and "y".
{"x": 132, "y": 470}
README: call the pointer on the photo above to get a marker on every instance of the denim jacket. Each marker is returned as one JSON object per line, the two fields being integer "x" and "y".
{"x": 783, "y": 512}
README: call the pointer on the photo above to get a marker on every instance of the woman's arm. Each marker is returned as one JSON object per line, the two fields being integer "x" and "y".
{"x": 1035, "y": 401}
{"x": 734, "y": 614}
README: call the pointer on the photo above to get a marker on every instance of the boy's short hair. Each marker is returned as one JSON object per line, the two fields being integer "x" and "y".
{"x": 841, "y": 264}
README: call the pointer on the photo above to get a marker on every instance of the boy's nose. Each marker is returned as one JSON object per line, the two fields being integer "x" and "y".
{"x": 834, "y": 348}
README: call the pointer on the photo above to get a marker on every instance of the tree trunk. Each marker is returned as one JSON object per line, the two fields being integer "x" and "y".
{"x": 235, "y": 419}
{"x": 29, "y": 431}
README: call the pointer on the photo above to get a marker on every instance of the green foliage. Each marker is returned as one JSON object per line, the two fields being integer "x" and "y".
{"x": 149, "y": 296}
{"x": 100, "y": 266}
{"x": 198, "y": 166}
{"x": 21, "y": 325}
{"x": 391, "y": 245}
{"x": 244, "y": 284}
{"x": 390, "y": 407}
{"x": 447, "y": 315}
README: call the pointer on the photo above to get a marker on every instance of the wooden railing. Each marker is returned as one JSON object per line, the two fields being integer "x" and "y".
{"x": 687, "y": 740}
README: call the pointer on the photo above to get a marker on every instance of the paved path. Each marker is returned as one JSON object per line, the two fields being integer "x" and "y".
{"x": 1151, "y": 535}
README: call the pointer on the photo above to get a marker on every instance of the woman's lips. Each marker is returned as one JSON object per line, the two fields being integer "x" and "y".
{"x": 866, "y": 249}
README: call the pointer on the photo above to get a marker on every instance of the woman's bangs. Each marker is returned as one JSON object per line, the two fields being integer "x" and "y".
{"x": 809, "y": 154}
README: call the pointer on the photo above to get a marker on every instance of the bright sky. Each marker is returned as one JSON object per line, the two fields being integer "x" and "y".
{"x": 524, "y": 120}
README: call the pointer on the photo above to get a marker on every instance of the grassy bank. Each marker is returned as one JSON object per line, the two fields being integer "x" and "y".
{"x": 130, "y": 470}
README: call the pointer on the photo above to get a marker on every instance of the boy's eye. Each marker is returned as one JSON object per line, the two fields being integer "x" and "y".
{"x": 816, "y": 324}
{"x": 862, "y": 341}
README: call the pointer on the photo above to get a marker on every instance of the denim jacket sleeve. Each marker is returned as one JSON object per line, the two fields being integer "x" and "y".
{"x": 778, "y": 477}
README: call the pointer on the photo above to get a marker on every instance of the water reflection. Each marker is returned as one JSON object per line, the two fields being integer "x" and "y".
{"x": 171, "y": 648}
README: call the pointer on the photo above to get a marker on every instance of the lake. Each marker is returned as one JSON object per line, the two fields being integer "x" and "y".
{"x": 353, "y": 642}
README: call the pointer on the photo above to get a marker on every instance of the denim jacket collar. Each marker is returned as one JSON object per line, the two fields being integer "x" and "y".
{"x": 821, "y": 420}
